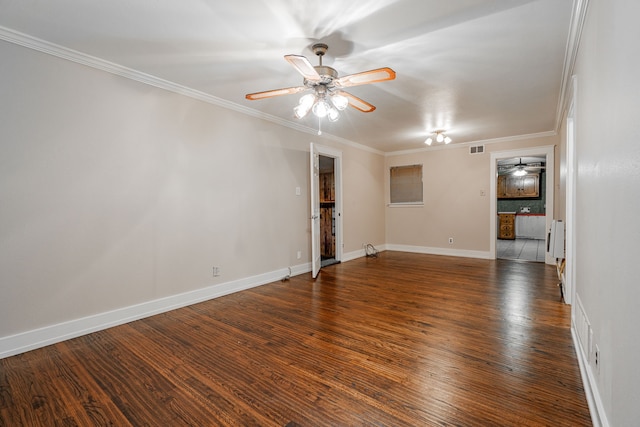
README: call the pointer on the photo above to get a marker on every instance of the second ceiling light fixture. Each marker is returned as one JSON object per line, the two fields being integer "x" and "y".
{"x": 439, "y": 136}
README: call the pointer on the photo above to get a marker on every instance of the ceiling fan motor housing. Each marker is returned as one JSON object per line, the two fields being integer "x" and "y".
{"x": 327, "y": 74}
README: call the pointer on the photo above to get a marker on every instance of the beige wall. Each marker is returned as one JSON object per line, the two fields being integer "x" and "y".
{"x": 115, "y": 193}
{"x": 608, "y": 201}
{"x": 454, "y": 182}
{"x": 363, "y": 199}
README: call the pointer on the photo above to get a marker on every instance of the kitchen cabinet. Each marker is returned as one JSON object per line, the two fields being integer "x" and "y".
{"x": 517, "y": 187}
{"x": 507, "y": 225}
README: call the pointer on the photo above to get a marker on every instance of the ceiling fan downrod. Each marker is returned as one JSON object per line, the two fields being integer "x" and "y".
{"x": 319, "y": 49}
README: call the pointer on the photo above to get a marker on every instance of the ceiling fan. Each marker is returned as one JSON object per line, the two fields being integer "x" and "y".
{"x": 522, "y": 168}
{"x": 327, "y": 97}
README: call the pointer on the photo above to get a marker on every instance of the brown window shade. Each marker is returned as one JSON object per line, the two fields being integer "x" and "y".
{"x": 406, "y": 184}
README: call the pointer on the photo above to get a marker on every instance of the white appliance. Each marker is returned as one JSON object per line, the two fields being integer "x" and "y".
{"x": 555, "y": 239}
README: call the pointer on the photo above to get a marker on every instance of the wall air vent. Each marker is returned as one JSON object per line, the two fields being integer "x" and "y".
{"x": 476, "y": 149}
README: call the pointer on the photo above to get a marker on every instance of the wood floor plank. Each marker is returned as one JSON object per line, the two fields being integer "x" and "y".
{"x": 398, "y": 340}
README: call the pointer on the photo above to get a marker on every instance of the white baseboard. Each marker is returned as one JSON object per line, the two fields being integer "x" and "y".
{"x": 439, "y": 251}
{"x": 360, "y": 253}
{"x": 31, "y": 340}
{"x": 596, "y": 407}
{"x": 297, "y": 270}
{"x": 419, "y": 250}
{"x": 349, "y": 256}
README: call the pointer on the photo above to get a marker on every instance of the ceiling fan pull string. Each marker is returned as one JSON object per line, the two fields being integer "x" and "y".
{"x": 319, "y": 125}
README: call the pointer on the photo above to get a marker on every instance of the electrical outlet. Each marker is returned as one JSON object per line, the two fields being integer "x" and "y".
{"x": 450, "y": 240}
{"x": 597, "y": 360}
{"x": 299, "y": 254}
{"x": 216, "y": 271}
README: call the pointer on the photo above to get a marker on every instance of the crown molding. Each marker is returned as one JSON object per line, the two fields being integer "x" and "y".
{"x": 479, "y": 142}
{"x": 578, "y": 17}
{"x": 62, "y": 52}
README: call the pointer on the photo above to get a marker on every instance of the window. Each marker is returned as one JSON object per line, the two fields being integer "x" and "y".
{"x": 406, "y": 185}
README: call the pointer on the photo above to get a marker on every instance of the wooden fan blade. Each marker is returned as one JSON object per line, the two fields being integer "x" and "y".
{"x": 303, "y": 66}
{"x": 366, "y": 77}
{"x": 358, "y": 103}
{"x": 275, "y": 92}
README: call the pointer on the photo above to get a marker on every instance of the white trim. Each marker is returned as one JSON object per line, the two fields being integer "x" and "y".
{"x": 361, "y": 253}
{"x": 578, "y": 17}
{"x": 406, "y": 205}
{"x": 62, "y": 52}
{"x": 349, "y": 256}
{"x": 570, "y": 194}
{"x": 438, "y": 251}
{"x": 596, "y": 406}
{"x": 548, "y": 151}
{"x": 31, "y": 340}
{"x": 299, "y": 269}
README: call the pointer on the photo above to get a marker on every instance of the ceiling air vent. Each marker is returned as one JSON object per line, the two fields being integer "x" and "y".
{"x": 476, "y": 149}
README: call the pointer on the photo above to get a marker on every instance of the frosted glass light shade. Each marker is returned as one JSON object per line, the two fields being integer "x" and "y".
{"x": 299, "y": 111}
{"x": 339, "y": 101}
{"x": 304, "y": 105}
{"x": 321, "y": 108}
{"x": 439, "y": 136}
{"x": 333, "y": 114}
{"x": 307, "y": 99}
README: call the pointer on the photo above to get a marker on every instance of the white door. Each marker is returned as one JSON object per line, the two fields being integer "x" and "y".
{"x": 570, "y": 250}
{"x": 315, "y": 211}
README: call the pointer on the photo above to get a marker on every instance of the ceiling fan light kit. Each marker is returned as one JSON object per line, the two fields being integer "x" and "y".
{"x": 439, "y": 136}
{"x": 327, "y": 98}
{"x": 522, "y": 169}
{"x": 321, "y": 107}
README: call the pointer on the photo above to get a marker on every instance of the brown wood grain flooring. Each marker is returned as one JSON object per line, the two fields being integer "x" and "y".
{"x": 398, "y": 340}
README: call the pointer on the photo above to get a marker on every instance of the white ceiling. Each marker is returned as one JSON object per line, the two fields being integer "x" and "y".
{"x": 479, "y": 69}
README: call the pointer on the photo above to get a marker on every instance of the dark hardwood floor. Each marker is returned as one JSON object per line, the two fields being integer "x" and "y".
{"x": 398, "y": 340}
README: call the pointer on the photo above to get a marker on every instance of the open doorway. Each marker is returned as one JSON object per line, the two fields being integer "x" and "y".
{"x": 521, "y": 207}
{"x": 326, "y": 206}
{"x": 506, "y": 159}
{"x": 327, "y": 195}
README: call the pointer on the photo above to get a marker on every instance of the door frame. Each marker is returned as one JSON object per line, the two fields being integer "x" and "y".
{"x": 569, "y": 282}
{"x": 548, "y": 151}
{"x": 336, "y": 155}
